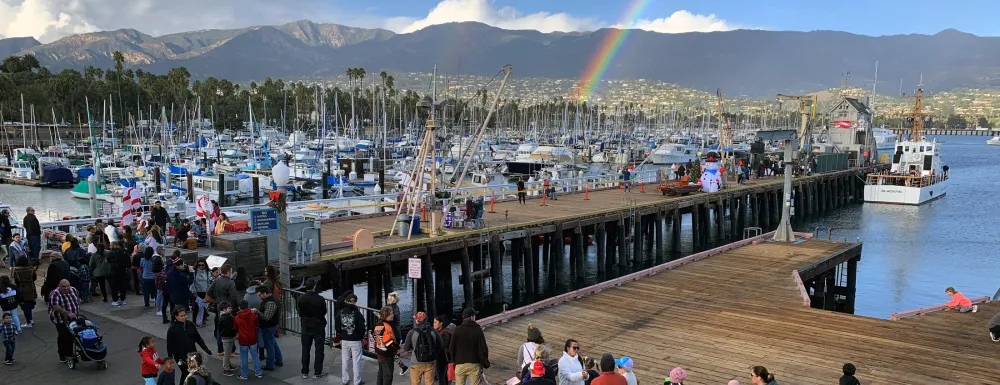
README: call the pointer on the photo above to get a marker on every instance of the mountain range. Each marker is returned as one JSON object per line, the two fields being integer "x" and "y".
{"x": 741, "y": 62}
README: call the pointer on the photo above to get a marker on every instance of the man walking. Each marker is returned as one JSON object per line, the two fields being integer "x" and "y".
{"x": 312, "y": 312}
{"x": 469, "y": 350}
{"x": 423, "y": 344}
{"x": 350, "y": 324}
{"x": 267, "y": 326}
{"x": 64, "y": 303}
{"x": 160, "y": 216}
{"x": 34, "y": 232}
{"x": 522, "y": 194}
{"x": 6, "y": 236}
{"x": 223, "y": 289}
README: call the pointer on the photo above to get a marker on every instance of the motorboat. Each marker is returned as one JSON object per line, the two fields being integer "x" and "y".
{"x": 994, "y": 141}
{"x": 884, "y": 139}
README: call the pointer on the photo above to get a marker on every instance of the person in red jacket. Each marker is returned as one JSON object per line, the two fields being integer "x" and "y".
{"x": 959, "y": 302}
{"x": 246, "y": 335}
{"x": 151, "y": 362}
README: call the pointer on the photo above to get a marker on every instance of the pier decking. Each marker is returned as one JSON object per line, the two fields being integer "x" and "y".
{"x": 719, "y": 315}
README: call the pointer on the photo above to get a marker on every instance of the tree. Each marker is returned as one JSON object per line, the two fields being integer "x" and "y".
{"x": 984, "y": 123}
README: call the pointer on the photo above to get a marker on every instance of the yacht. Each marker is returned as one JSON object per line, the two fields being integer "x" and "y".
{"x": 541, "y": 157}
{"x": 673, "y": 153}
{"x": 917, "y": 176}
{"x": 994, "y": 141}
{"x": 884, "y": 139}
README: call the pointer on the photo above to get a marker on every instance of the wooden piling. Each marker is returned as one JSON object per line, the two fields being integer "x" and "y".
{"x": 427, "y": 282}
{"x": 675, "y": 230}
{"x": 581, "y": 254}
{"x": 600, "y": 241}
{"x": 255, "y": 184}
{"x": 623, "y": 258}
{"x": 696, "y": 226}
{"x": 516, "y": 248}
{"x": 496, "y": 269}
{"x": 530, "y": 272}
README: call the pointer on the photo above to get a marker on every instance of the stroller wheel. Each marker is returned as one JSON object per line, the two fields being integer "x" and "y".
{"x": 103, "y": 365}
{"x": 71, "y": 362}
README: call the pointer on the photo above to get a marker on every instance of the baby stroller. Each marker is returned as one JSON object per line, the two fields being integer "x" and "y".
{"x": 87, "y": 344}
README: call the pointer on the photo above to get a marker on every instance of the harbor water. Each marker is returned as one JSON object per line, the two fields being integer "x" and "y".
{"x": 911, "y": 254}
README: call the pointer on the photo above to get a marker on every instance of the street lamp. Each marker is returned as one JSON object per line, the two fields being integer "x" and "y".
{"x": 280, "y": 173}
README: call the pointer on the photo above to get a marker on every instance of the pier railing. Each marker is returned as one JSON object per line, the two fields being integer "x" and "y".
{"x": 291, "y": 322}
{"x": 931, "y": 309}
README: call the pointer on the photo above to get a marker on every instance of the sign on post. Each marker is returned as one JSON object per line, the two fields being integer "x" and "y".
{"x": 415, "y": 268}
{"x": 263, "y": 220}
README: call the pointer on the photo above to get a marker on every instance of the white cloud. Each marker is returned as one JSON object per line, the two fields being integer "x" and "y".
{"x": 449, "y": 11}
{"x": 49, "y": 20}
{"x": 682, "y": 21}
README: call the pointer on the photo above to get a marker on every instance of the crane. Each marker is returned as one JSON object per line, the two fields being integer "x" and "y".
{"x": 805, "y": 101}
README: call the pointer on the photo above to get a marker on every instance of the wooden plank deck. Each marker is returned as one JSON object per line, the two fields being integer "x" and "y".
{"x": 718, "y": 316}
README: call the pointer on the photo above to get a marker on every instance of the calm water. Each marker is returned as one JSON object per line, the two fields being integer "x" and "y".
{"x": 910, "y": 253}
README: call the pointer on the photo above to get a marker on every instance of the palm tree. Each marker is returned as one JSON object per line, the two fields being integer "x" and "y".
{"x": 352, "y": 75}
{"x": 119, "y": 59}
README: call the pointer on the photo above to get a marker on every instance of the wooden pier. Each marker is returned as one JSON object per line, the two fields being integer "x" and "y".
{"x": 717, "y": 314}
{"x": 621, "y": 226}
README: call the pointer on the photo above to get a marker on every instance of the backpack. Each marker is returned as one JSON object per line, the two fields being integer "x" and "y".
{"x": 10, "y": 302}
{"x": 160, "y": 280}
{"x": 426, "y": 348}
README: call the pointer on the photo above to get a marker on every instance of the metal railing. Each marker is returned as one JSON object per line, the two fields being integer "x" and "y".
{"x": 291, "y": 322}
{"x": 905, "y": 180}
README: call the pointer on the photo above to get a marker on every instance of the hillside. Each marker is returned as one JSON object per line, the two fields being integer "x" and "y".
{"x": 741, "y": 62}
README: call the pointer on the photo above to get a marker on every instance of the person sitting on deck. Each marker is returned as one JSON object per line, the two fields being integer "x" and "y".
{"x": 959, "y": 302}
{"x": 994, "y": 327}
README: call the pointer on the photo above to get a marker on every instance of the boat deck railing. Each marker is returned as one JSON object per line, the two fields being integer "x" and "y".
{"x": 906, "y": 180}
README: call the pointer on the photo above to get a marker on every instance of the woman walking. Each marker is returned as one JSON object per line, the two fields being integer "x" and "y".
{"x": 199, "y": 374}
{"x": 100, "y": 268}
{"x": 386, "y": 346}
{"x": 183, "y": 338}
{"x": 148, "y": 277}
{"x": 202, "y": 279}
{"x": 119, "y": 269}
{"x": 25, "y": 277}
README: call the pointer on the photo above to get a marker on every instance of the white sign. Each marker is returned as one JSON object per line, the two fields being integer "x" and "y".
{"x": 415, "y": 268}
{"x": 214, "y": 261}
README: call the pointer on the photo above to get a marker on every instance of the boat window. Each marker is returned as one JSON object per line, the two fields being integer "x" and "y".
{"x": 907, "y": 148}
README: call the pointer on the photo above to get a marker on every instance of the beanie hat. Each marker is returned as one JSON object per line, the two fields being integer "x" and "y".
{"x": 607, "y": 363}
{"x": 678, "y": 374}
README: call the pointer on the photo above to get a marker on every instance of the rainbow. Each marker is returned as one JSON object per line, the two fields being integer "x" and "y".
{"x": 606, "y": 52}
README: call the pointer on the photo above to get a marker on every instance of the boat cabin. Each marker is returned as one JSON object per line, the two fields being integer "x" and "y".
{"x": 917, "y": 158}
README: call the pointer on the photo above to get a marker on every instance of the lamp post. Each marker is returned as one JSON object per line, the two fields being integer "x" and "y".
{"x": 280, "y": 174}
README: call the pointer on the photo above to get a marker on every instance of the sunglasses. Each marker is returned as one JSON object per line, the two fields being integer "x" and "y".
{"x": 575, "y": 347}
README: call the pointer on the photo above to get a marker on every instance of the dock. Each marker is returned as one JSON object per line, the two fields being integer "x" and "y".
{"x": 949, "y": 131}
{"x": 718, "y": 313}
{"x": 21, "y": 181}
{"x": 622, "y": 227}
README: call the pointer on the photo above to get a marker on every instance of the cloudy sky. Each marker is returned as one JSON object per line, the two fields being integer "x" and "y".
{"x": 49, "y": 20}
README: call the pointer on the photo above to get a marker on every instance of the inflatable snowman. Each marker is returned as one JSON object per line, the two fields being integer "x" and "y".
{"x": 711, "y": 179}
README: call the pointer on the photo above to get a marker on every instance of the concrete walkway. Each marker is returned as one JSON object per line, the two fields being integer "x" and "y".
{"x": 122, "y": 328}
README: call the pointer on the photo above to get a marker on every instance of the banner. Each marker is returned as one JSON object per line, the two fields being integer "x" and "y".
{"x": 842, "y": 123}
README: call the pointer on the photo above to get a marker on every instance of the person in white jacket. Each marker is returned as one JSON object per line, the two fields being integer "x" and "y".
{"x": 571, "y": 370}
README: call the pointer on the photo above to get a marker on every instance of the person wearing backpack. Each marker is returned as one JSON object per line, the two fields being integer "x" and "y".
{"x": 9, "y": 299}
{"x": 423, "y": 343}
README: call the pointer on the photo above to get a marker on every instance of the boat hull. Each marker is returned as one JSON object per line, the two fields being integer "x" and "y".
{"x": 525, "y": 168}
{"x": 902, "y": 195}
{"x": 100, "y": 197}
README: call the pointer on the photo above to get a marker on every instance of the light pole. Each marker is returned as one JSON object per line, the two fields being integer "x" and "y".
{"x": 280, "y": 174}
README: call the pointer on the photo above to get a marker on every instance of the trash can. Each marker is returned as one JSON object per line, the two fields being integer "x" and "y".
{"x": 403, "y": 224}
{"x": 416, "y": 225}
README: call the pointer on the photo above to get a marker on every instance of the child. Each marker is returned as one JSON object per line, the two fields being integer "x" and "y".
{"x": 227, "y": 331}
{"x": 959, "y": 302}
{"x": 677, "y": 376}
{"x": 8, "y": 332}
{"x": 151, "y": 362}
{"x": 167, "y": 375}
{"x": 246, "y": 327}
{"x": 625, "y": 369}
{"x": 848, "y": 377}
{"x": 591, "y": 364}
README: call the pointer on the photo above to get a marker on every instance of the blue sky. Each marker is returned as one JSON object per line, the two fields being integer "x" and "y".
{"x": 49, "y": 20}
{"x": 881, "y": 17}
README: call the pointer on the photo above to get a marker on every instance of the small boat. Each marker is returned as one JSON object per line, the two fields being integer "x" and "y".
{"x": 82, "y": 191}
{"x": 995, "y": 141}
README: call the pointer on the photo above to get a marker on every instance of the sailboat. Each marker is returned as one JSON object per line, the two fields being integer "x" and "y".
{"x": 82, "y": 191}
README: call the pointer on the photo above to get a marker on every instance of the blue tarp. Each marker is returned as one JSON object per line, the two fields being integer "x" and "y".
{"x": 84, "y": 173}
{"x": 57, "y": 174}
{"x": 177, "y": 170}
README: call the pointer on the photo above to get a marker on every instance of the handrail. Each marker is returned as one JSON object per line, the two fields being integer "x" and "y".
{"x": 931, "y": 309}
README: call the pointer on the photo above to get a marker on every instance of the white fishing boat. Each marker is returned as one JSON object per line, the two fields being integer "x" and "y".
{"x": 917, "y": 176}
{"x": 673, "y": 153}
{"x": 885, "y": 140}
{"x": 994, "y": 141}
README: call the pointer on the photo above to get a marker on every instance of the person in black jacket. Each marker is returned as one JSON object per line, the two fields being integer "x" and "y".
{"x": 6, "y": 235}
{"x": 121, "y": 268}
{"x": 350, "y": 325}
{"x": 312, "y": 313}
{"x": 58, "y": 270}
{"x": 468, "y": 348}
{"x": 268, "y": 315}
{"x": 34, "y": 233}
{"x": 160, "y": 218}
{"x": 183, "y": 338}
{"x": 227, "y": 331}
